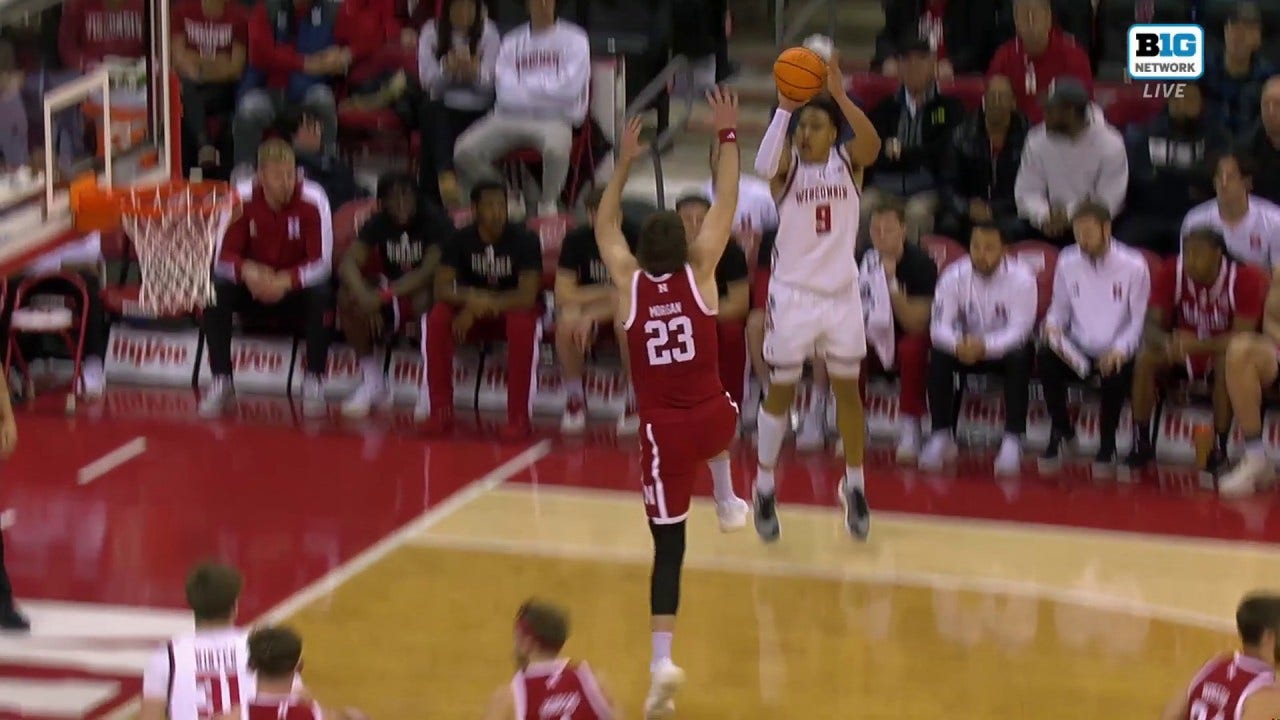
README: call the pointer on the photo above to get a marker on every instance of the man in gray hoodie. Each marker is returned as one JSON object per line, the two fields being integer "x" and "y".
{"x": 1073, "y": 156}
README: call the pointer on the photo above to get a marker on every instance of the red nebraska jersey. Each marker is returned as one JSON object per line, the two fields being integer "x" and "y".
{"x": 672, "y": 341}
{"x": 90, "y": 30}
{"x": 281, "y": 707}
{"x": 1209, "y": 310}
{"x": 559, "y": 689}
{"x": 210, "y": 36}
{"x": 1222, "y": 685}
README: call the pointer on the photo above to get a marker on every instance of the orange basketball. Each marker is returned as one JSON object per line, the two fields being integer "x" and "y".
{"x": 799, "y": 73}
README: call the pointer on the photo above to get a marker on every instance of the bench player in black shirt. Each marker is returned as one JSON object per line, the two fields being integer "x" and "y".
{"x": 490, "y": 275}
{"x": 386, "y": 280}
{"x": 586, "y": 301}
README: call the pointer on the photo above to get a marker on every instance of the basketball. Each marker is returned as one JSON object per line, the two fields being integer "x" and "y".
{"x": 799, "y": 73}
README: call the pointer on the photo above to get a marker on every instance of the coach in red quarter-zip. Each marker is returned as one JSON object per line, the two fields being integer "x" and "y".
{"x": 276, "y": 258}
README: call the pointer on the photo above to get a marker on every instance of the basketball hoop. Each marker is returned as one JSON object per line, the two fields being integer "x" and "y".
{"x": 175, "y": 229}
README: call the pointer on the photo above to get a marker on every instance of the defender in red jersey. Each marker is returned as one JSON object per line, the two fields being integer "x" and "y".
{"x": 667, "y": 293}
{"x": 1240, "y": 685}
{"x": 275, "y": 656}
{"x": 1206, "y": 297}
{"x": 546, "y": 685}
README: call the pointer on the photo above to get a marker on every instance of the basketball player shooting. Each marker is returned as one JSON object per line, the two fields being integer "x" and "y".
{"x": 815, "y": 306}
{"x": 668, "y": 297}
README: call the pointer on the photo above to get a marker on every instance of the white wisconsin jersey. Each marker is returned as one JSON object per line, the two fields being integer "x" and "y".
{"x": 209, "y": 674}
{"x": 818, "y": 226}
{"x": 1254, "y": 240}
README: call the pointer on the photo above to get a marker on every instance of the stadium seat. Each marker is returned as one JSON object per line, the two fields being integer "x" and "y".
{"x": 581, "y": 160}
{"x": 871, "y": 88}
{"x": 56, "y": 319}
{"x": 346, "y": 226}
{"x": 968, "y": 89}
{"x": 1124, "y": 105}
{"x": 942, "y": 249}
{"x": 1042, "y": 258}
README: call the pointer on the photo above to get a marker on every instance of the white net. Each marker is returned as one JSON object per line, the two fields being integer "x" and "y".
{"x": 175, "y": 233}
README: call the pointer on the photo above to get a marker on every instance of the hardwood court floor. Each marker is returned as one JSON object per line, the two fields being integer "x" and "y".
{"x": 402, "y": 560}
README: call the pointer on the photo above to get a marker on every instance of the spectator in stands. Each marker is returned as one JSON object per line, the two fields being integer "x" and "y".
{"x": 984, "y": 312}
{"x": 1207, "y": 298}
{"x": 92, "y": 30}
{"x": 379, "y": 47}
{"x": 1250, "y": 225}
{"x": 1072, "y": 157}
{"x": 457, "y": 54}
{"x": 542, "y": 81}
{"x": 586, "y": 302}
{"x": 916, "y": 125}
{"x": 898, "y": 279}
{"x": 292, "y": 57}
{"x": 1263, "y": 144}
{"x": 386, "y": 278}
{"x": 490, "y": 274}
{"x": 960, "y": 32}
{"x": 980, "y": 167}
{"x": 734, "y": 290}
{"x": 1040, "y": 54}
{"x": 1167, "y": 161}
{"x": 209, "y": 45}
{"x": 1234, "y": 74}
{"x": 15, "y": 136}
{"x": 1093, "y": 326}
{"x": 1110, "y": 46}
{"x": 276, "y": 258}
{"x": 323, "y": 165}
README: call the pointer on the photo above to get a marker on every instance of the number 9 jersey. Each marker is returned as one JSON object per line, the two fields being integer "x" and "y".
{"x": 818, "y": 226}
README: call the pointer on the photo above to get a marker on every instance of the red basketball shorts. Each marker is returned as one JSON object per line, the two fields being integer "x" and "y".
{"x": 1198, "y": 366}
{"x": 673, "y": 452}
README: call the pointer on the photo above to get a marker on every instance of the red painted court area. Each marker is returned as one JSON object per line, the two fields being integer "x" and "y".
{"x": 112, "y": 507}
{"x": 288, "y": 500}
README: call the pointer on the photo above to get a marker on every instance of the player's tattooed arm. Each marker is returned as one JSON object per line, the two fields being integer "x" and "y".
{"x": 705, "y": 250}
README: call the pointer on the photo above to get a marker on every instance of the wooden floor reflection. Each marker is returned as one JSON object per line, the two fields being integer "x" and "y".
{"x": 425, "y": 633}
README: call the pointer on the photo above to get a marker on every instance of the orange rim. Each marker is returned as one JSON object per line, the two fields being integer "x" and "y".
{"x": 96, "y": 208}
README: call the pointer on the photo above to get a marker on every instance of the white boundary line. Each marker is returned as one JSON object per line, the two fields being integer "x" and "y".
{"x": 111, "y": 460}
{"x": 379, "y": 550}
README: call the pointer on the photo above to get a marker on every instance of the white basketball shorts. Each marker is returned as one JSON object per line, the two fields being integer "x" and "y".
{"x": 801, "y": 324}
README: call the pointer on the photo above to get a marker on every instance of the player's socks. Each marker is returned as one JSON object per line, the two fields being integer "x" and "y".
{"x": 661, "y": 648}
{"x": 853, "y": 478}
{"x": 770, "y": 429}
{"x": 722, "y": 479}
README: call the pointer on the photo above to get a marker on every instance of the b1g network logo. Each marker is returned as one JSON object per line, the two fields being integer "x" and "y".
{"x": 1166, "y": 53}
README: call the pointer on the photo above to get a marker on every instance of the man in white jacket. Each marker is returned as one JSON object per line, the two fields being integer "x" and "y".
{"x": 542, "y": 82}
{"x": 1093, "y": 326}
{"x": 984, "y": 311}
{"x": 1073, "y": 156}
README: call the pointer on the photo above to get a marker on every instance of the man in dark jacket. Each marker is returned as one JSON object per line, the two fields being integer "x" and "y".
{"x": 319, "y": 164}
{"x": 1167, "y": 175}
{"x": 961, "y": 33}
{"x": 915, "y": 123}
{"x": 1263, "y": 143}
{"x": 1234, "y": 74}
{"x": 981, "y": 166}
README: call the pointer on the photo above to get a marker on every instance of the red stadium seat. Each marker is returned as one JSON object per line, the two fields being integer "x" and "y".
{"x": 1042, "y": 258}
{"x": 1154, "y": 262}
{"x": 1125, "y": 105}
{"x": 968, "y": 89}
{"x": 582, "y": 161}
{"x": 551, "y": 232}
{"x": 942, "y": 249}
{"x": 346, "y": 225}
{"x": 870, "y": 88}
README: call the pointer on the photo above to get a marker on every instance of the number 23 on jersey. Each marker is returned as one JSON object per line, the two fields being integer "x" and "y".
{"x": 669, "y": 341}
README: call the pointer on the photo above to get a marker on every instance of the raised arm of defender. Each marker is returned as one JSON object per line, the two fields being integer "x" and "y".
{"x": 705, "y": 250}
{"x": 614, "y": 253}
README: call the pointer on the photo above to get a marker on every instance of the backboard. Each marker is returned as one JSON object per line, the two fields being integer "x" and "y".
{"x": 84, "y": 88}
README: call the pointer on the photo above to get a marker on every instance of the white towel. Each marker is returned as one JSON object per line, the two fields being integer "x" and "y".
{"x": 877, "y": 311}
